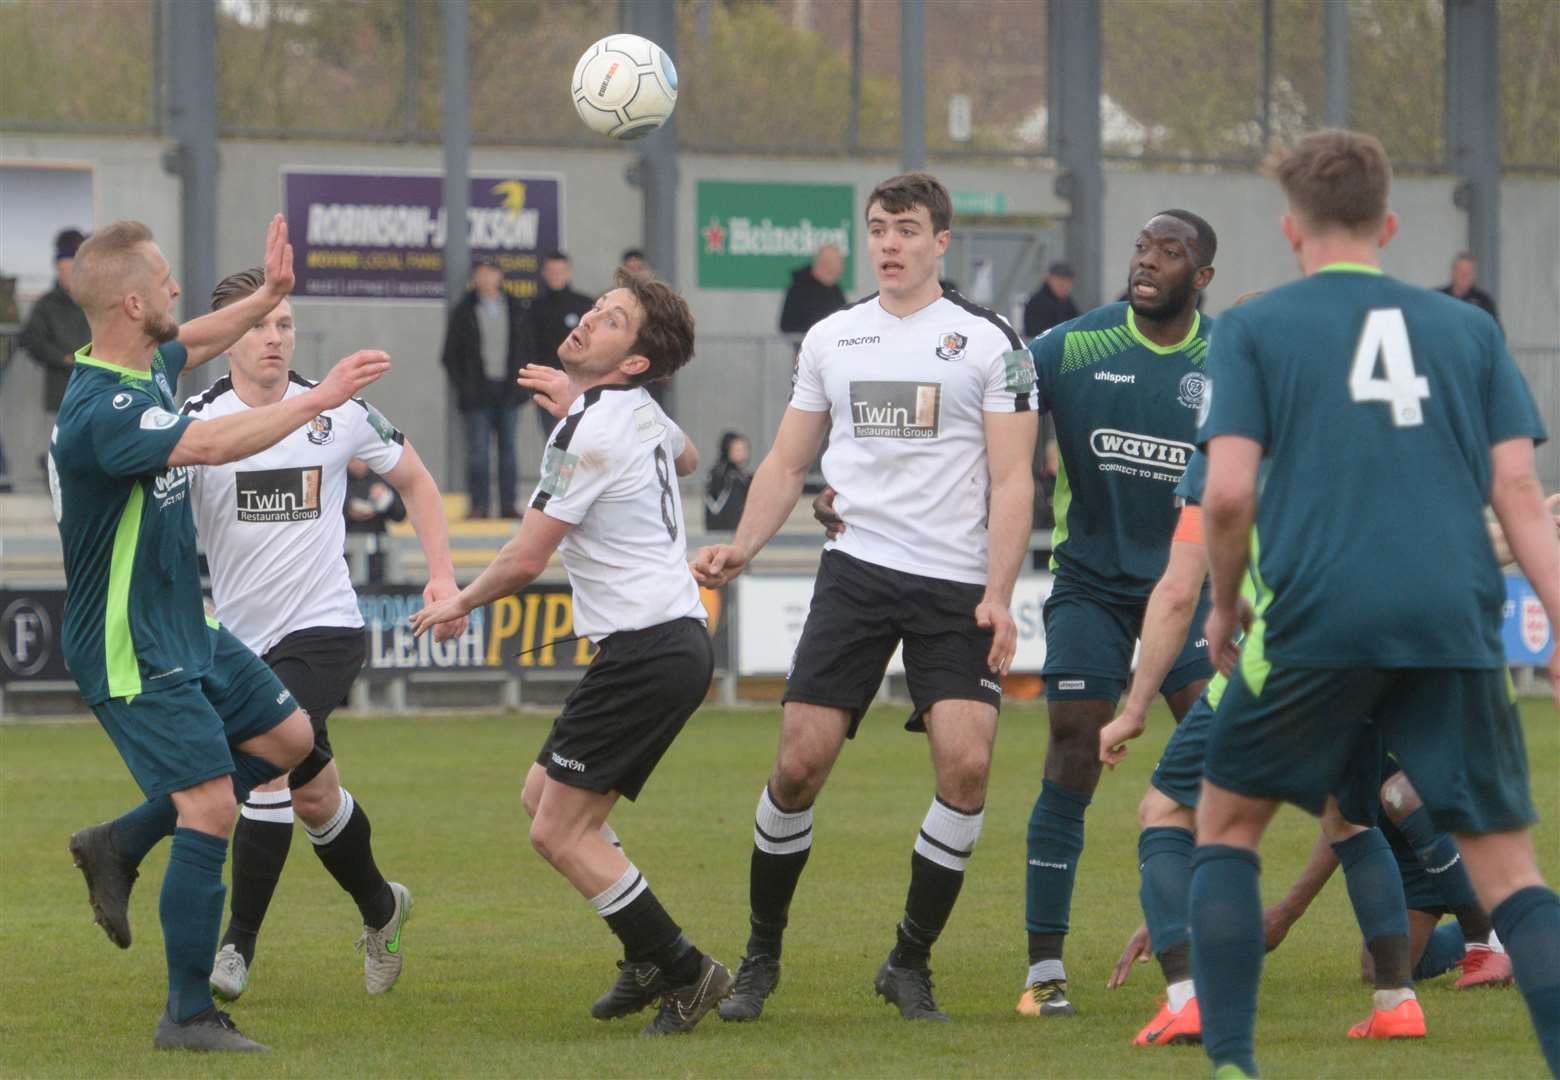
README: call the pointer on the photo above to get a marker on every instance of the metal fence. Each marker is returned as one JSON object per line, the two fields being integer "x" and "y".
{"x": 1540, "y": 365}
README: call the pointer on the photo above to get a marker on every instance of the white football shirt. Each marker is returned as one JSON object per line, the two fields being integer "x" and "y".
{"x": 272, "y": 525}
{"x": 610, "y": 471}
{"x": 907, "y": 446}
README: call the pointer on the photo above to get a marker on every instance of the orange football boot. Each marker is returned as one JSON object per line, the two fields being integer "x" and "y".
{"x": 1172, "y": 1029}
{"x": 1407, "y": 1021}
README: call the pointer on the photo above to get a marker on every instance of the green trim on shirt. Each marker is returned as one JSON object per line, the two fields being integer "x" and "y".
{"x": 1162, "y": 350}
{"x": 83, "y": 358}
{"x": 1061, "y": 503}
{"x": 1349, "y": 268}
{"x": 119, "y": 659}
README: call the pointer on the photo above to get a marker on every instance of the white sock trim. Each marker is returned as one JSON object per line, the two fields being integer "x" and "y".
{"x": 948, "y": 836}
{"x": 275, "y": 806}
{"x": 776, "y": 832}
{"x": 332, "y": 828}
{"x": 622, "y": 892}
{"x": 1177, "y": 994}
{"x": 610, "y": 836}
{"x": 1045, "y": 971}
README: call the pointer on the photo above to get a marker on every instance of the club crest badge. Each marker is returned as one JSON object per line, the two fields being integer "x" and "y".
{"x": 320, "y": 431}
{"x": 1194, "y": 385}
{"x": 951, "y": 346}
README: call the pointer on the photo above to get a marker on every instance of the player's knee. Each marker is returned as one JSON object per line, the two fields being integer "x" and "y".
{"x": 1398, "y": 797}
{"x": 531, "y": 790}
{"x": 209, "y": 807}
{"x": 315, "y": 803}
{"x": 295, "y": 739}
{"x": 962, "y": 780}
{"x": 1157, "y": 810}
{"x": 551, "y": 839}
{"x": 796, "y": 780}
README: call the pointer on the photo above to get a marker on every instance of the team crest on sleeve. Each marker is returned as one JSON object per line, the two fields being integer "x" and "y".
{"x": 382, "y": 427}
{"x": 1018, "y": 371}
{"x": 157, "y": 418}
{"x": 1194, "y": 388}
{"x": 558, "y": 467}
{"x": 951, "y": 346}
{"x": 322, "y": 430}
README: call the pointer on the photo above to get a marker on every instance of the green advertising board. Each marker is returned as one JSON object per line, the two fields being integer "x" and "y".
{"x": 752, "y": 236}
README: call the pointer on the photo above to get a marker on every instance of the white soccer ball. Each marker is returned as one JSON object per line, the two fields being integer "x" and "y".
{"x": 624, "y": 86}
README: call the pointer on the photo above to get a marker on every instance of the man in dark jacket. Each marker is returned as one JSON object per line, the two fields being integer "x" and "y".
{"x": 814, "y": 292}
{"x": 1052, "y": 302}
{"x": 56, "y": 327}
{"x": 1464, "y": 272}
{"x": 555, "y": 314}
{"x": 489, "y": 339}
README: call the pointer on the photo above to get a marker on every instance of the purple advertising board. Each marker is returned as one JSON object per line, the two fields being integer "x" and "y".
{"x": 380, "y": 235}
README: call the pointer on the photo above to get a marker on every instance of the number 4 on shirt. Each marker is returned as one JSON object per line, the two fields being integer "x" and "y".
{"x": 1385, "y": 336}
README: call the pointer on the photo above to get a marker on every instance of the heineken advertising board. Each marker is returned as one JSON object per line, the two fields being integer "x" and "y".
{"x": 752, "y": 236}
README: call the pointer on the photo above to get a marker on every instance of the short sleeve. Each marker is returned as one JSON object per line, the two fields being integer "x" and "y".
{"x": 377, "y": 441}
{"x": 1046, "y": 353}
{"x": 581, "y": 463}
{"x": 132, "y": 433}
{"x": 1509, "y": 410}
{"x": 1190, "y": 488}
{"x": 1234, "y": 402}
{"x": 807, "y": 391}
{"x": 1010, "y": 382}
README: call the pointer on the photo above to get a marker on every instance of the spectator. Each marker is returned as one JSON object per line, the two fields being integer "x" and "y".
{"x": 814, "y": 292}
{"x": 1052, "y": 302}
{"x": 635, "y": 263}
{"x": 488, "y": 340}
{"x": 1464, "y": 271}
{"x": 555, "y": 313}
{"x": 56, "y": 327}
{"x": 725, "y": 494}
{"x": 370, "y": 506}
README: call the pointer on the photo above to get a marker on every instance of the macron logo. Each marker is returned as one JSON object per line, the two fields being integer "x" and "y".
{"x": 567, "y": 763}
{"x": 989, "y": 685}
{"x": 847, "y": 342}
{"x": 1112, "y": 377}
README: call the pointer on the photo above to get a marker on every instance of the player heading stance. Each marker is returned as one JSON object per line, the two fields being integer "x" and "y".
{"x": 1123, "y": 383}
{"x": 273, "y": 534}
{"x": 1405, "y": 406}
{"x": 608, "y": 502}
{"x": 928, "y": 401}
{"x": 195, "y": 715}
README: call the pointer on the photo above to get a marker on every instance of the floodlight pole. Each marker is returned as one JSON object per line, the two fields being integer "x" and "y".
{"x": 457, "y": 194}
{"x": 912, "y": 84}
{"x": 1075, "y": 48}
{"x": 656, "y": 169}
{"x": 1473, "y": 127}
{"x": 192, "y": 122}
{"x": 1335, "y": 62}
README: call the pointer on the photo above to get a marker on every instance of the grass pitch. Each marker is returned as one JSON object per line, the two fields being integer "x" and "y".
{"x": 503, "y": 958}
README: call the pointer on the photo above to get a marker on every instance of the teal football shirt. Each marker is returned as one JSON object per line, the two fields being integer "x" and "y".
{"x": 1126, "y": 414}
{"x": 1376, "y": 403}
{"x": 134, "y": 617}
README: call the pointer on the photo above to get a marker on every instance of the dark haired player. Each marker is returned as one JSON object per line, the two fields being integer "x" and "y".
{"x": 928, "y": 401}
{"x": 1123, "y": 383}
{"x": 608, "y": 503}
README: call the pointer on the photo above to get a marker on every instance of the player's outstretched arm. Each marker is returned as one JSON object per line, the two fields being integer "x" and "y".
{"x": 1171, "y": 607}
{"x": 1277, "y": 919}
{"x": 520, "y": 562}
{"x": 230, "y": 438}
{"x": 1010, "y": 455}
{"x": 425, "y": 510}
{"x": 776, "y": 486}
{"x": 1229, "y": 507}
{"x": 210, "y": 335}
{"x": 1518, "y": 502}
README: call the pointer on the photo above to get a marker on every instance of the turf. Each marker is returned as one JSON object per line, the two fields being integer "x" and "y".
{"x": 502, "y": 957}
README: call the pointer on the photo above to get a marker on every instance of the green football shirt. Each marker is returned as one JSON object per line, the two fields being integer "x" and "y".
{"x": 134, "y": 617}
{"x": 1125, "y": 411}
{"x": 1376, "y": 403}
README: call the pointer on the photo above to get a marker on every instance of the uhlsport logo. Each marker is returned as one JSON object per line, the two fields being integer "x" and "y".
{"x": 951, "y": 346}
{"x": 1194, "y": 387}
{"x": 1147, "y": 456}
{"x": 122, "y": 401}
{"x": 1115, "y": 377}
{"x": 895, "y": 410}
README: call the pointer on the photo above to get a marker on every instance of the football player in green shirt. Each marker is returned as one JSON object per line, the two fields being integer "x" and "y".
{"x": 198, "y": 718}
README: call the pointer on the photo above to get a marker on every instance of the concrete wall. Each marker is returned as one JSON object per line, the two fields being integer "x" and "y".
{"x": 740, "y": 385}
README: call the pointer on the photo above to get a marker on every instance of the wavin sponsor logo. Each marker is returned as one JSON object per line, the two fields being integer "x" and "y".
{"x": 1140, "y": 449}
{"x": 847, "y": 342}
{"x": 567, "y": 763}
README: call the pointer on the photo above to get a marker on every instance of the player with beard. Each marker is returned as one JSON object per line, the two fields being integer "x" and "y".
{"x": 1123, "y": 383}
{"x": 196, "y": 716}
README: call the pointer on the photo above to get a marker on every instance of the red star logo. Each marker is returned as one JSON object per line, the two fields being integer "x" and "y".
{"x": 714, "y": 238}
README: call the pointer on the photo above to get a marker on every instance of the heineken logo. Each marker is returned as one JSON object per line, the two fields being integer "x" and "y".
{"x": 744, "y": 236}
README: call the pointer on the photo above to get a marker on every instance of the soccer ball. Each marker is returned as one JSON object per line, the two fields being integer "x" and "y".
{"x": 624, "y": 86}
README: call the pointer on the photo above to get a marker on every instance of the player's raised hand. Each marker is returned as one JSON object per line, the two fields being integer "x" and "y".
{"x": 279, "y": 278}
{"x": 825, "y": 514}
{"x": 1114, "y": 736}
{"x": 718, "y": 564}
{"x": 449, "y": 610}
{"x": 350, "y": 375}
{"x": 549, "y": 386}
{"x": 1139, "y": 949}
{"x": 435, "y": 592}
{"x": 993, "y": 615}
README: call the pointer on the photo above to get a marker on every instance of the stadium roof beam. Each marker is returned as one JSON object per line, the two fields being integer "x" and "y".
{"x": 1473, "y": 127}
{"x": 1075, "y": 48}
{"x": 912, "y": 84}
{"x": 192, "y": 122}
{"x": 455, "y": 27}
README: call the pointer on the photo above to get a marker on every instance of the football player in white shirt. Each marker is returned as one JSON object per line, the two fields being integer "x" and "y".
{"x": 273, "y": 531}
{"x": 608, "y": 503}
{"x": 929, "y": 404}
